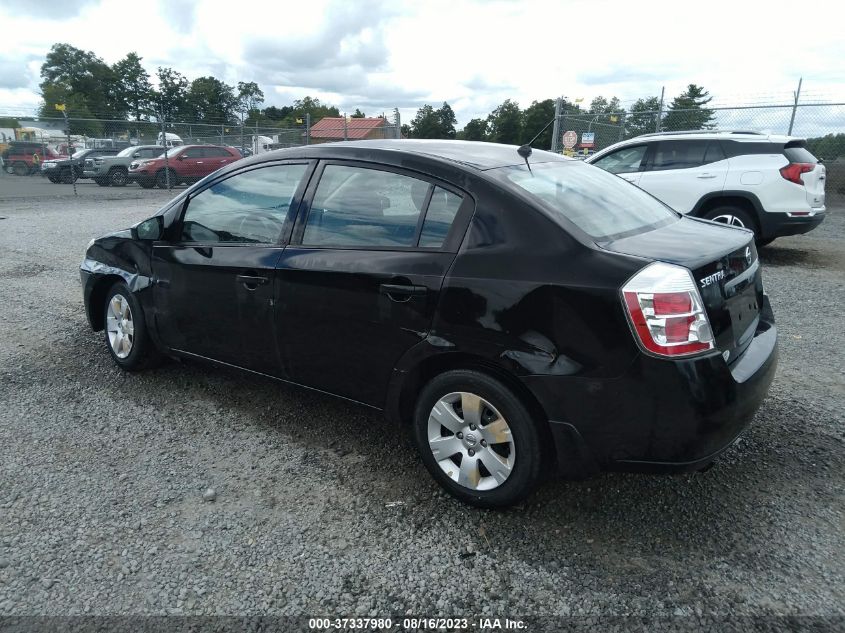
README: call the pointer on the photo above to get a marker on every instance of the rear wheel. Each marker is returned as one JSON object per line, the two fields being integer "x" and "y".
{"x": 126, "y": 334}
{"x": 20, "y": 168}
{"x": 477, "y": 439}
{"x": 732, "y": 216}
{"x": 117, "y": 177}
{"x": 147, "y": 184}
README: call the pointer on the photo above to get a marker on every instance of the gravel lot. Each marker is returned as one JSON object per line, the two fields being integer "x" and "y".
{"x": 319, "y": 510}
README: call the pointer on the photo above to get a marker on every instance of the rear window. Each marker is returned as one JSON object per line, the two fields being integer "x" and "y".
{"x": 799, "y": 154}
{"x": 602, "y": 205}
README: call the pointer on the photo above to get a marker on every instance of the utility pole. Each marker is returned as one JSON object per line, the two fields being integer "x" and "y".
{"x": 659, "y": 110}
{"x": 556, "y": 128}
{"x": 63, "y": 108}
{"x": 795, "y": 95}
{"x": 164, "y": 142}
{"x": 345, "y": 128}
{"x": 307, "y": 128}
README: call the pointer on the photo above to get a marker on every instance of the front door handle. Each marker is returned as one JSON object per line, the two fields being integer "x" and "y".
{"x": 706, "y": 176}
{"x": 251, "y": 282}
{"x": 401, "y": 293}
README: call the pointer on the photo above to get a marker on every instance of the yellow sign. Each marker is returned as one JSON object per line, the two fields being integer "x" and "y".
{"x": 299, "y": 120}
{"x": 60, "y": 107}
{"x": 579, "y": 99}
{"x": 613, "y": 118}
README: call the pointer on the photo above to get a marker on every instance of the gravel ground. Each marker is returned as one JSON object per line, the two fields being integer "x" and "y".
{"x": 317, "y": 509}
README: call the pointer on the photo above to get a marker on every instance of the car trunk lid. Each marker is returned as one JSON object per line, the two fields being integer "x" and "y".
{"x": 725, "y": 267}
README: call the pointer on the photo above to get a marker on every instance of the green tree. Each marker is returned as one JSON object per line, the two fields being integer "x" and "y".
{"x": 505, "y": 123}
{"x": 313, "y": 107}
{"x": 170, "y": 99}
{"x": 535, "y": 118}
{"x": 250, "y": 97}
{"x": 474, "y": 130}
{"x": 357, "y": 114}
{"x": 132, "y": 85}
{"x": 687, "y": 111}
{"x": 447, "y": 121}
{"x": 642, "y": 119}
{"x": 426, "y": 124}
{"x": 210, "y": 100}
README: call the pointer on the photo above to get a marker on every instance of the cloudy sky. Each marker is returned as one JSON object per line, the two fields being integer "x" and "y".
{"x": 472, "y": 53}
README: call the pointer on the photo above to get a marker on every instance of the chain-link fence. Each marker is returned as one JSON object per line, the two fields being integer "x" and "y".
{"x": 581, "y": 134}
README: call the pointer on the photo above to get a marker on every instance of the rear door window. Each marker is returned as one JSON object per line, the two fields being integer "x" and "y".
{"x": 714, "y": 152}
{"x": 678, "y": 154}
{"x": 358, "y": 206}
{"x": 441, "y": 214}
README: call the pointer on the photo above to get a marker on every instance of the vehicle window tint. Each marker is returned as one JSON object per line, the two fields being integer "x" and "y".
{"x": 250, "y": 207}
{"x": 678, "y": 155}
{"x": 622, "y": 161}
{"x": 151, "y": 153}
{"x": 714, "y": 153}
{"x": 602, "y": 205}
{"x": 355, "y": 206}
{"x": 743, "y": 148}
{"x": 439, "y": 217}
{"x": 799, "y": 154}
{"x": 194, "y": 152}
{"x": 216, "y": 152}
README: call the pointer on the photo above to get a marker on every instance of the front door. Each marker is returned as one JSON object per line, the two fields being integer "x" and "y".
{"x": 214, "y": 282}
{"x": 359, "y": 284}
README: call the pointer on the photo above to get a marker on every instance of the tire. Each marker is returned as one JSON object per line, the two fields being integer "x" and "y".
{"x": 68, "y": 176}
{"x": 20, "y": 168}
{"x": 161, "y": 179}
{"x": 733, "y": 216}
{"x": 54, "y": 179}
{"x": 117, "y": 177}
{"x": 126, "y": 335}
{"x": 147, "y": 184}
{"x": 766, "y": 242}
{"x": 103, "y": 182}
{"x": 516, "y": 458}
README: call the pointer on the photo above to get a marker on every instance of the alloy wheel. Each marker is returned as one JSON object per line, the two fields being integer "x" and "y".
{"x": 471, "y": 441}
{"x": 120, "y": 326}
{"x": 730, "y": 219}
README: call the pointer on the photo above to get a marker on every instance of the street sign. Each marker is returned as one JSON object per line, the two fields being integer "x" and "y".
{"x": 588, "y": 139}
{"x": 570, "y": 137}
{"x": 60, "y": 107}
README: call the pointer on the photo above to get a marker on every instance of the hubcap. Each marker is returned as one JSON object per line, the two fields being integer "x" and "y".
{"x": 471, "y": 441}
{"x": 729, "y": 219}
{"x": 120, "y": 326}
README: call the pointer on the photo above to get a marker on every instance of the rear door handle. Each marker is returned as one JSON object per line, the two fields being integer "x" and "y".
{"x": 401, "y": 292}
{"x": 252, "y": 281}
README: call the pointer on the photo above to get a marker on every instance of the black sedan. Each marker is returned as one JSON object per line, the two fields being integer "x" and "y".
{"x": 517, "y": 313}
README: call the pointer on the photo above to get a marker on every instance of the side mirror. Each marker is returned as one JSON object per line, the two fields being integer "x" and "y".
{"x": 136, "y": 155}
{"x": 180, "y": 157}
{"x": 151, "y": 229}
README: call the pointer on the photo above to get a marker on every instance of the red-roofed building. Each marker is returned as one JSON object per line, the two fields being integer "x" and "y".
{"x": 332, "y": 129}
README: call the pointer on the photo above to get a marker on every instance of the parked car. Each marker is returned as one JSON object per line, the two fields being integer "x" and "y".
{"x": 512, "y": 317}
{"x": 23, "y": 158}
{"x": 68, "y": 170}
{"x": 187, "y": 164}
{"x": 770, "y": 184}
{"x": 114, "y": 170}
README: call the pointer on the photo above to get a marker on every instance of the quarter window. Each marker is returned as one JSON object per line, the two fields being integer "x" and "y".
{"x": 439, "y": 218}
{"x": 356, "y": 206}
{"x": 250, "y": 207}
{"x": 714, "y": 153}
{"x": 623, "y": 161}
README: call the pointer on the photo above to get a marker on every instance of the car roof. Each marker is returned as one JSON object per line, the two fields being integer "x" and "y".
{"x": 475, "y": 154}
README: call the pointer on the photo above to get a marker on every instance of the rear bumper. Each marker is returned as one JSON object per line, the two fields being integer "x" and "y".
{"x": 781, "y": 224}
{"x": 660, "y": 415}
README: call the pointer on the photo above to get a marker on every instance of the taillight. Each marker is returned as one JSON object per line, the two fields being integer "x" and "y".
{"x": 666, "y": 311}
{"x": 792, "y": 172}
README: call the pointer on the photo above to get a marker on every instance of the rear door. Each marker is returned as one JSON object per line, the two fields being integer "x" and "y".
{"x": 217, "y": 157}
{"x": 681, "y": 171}
{"x": 627, "y": 162}
{"x": 214, "y": 278}
{"x": 359, "y": 283}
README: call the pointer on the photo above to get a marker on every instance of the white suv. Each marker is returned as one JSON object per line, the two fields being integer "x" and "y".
{"x": 770, "y": 184}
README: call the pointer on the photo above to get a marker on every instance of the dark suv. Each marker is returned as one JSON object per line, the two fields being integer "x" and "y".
{"x": 514, "y": 315}
{"x": 68, "y": 170}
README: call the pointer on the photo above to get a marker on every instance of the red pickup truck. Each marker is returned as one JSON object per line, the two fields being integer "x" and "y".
{"x": 20, "y": 157}
{"x": 187, "y": 164}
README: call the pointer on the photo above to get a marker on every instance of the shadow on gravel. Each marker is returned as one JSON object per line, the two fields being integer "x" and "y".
{"x": 774, "y": 255}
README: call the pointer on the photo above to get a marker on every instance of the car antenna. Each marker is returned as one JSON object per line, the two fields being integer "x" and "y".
{"x": 525, "y": 150}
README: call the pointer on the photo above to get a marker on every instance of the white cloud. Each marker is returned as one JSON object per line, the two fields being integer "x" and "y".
{"x": 378, "y": 55}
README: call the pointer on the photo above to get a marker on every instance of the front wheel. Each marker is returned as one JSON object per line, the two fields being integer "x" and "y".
{"x": 69, "y": 176}
{"x": 54, "y": 179}
{"x": 127, "y": 338}
{"x": 161, "y": 179}
{"x": 117, "y": 177}
{"x": 477, "y": 439}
